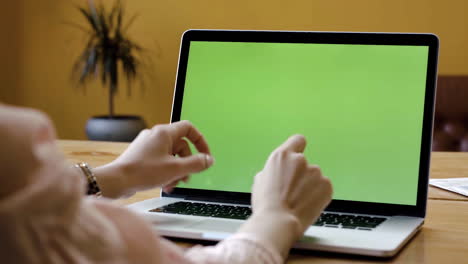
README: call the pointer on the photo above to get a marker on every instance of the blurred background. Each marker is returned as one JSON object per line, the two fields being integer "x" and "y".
{"x": 38, "y": 49}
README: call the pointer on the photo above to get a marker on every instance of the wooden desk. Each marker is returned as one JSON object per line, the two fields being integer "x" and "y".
{"x": 443, "y": 239}
{"x": 448, "y": 165}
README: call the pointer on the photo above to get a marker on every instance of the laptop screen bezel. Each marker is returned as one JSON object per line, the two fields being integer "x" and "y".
{"x": 406, "y": 39}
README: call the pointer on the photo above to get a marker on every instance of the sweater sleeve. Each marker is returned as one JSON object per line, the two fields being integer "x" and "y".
{"x": 239, "y": 248}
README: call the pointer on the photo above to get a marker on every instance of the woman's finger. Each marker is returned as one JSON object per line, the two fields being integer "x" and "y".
{"x": 295, "y": 143}
{"x": 182, "y": 148}
{"x": 185, "y": 129}
{"x": 169, "y": 187}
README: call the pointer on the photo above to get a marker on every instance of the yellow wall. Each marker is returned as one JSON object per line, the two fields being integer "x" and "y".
{"x": 48, "y": 46}
{"x": 9, "y": 12}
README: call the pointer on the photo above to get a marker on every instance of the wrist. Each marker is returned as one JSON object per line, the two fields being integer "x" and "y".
{"x": 283, "y": 219}
{"x": 279, "y": 229}
{"x": 113, "y": 181}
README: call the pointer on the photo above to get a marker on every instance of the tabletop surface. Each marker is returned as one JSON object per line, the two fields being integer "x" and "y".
{"x": 443, "y": 238}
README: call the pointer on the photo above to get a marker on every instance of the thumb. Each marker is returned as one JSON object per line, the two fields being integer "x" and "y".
{"x": 295, "y": 143}
{"x": 194, "y": 163}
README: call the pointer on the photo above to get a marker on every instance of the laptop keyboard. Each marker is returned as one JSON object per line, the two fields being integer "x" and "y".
{"x": 202, "y": 209}
{"x": 332, "y": 220}
{"x": 349, "y": 221}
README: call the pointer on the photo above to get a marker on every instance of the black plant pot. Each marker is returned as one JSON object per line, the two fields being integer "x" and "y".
{"x": 118, "y": 128}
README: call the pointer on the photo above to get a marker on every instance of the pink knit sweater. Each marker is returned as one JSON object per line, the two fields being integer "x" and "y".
{"x": 51, "y": 221}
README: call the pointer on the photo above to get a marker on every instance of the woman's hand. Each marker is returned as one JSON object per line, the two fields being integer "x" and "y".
{"x": 288, "y": 195}
{"x": 288, "y": 184}
{"x": 160, "y": 156}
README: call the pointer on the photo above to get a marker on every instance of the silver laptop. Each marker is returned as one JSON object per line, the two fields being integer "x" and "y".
{"x": 365, "y": 103}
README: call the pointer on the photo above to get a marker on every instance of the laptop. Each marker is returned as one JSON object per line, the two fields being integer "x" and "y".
{"x": 364, "y": 102}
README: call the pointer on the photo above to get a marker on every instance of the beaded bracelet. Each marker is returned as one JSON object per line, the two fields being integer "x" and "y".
{"x": 93, "y": 187}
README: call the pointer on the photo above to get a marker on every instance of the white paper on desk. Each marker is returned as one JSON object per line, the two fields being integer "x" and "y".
{"x": 458, "y": 185}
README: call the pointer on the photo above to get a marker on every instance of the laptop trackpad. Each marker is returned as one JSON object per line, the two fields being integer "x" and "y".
{"x": 211, "y": 225}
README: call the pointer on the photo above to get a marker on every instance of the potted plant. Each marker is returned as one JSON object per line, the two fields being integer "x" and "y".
{"x": 107, "y": 53}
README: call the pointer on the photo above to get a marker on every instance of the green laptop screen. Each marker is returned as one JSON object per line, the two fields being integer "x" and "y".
{"x": 360, "y": 108}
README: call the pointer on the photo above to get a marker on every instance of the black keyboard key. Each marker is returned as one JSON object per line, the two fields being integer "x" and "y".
{"x": 378, "y": 219}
